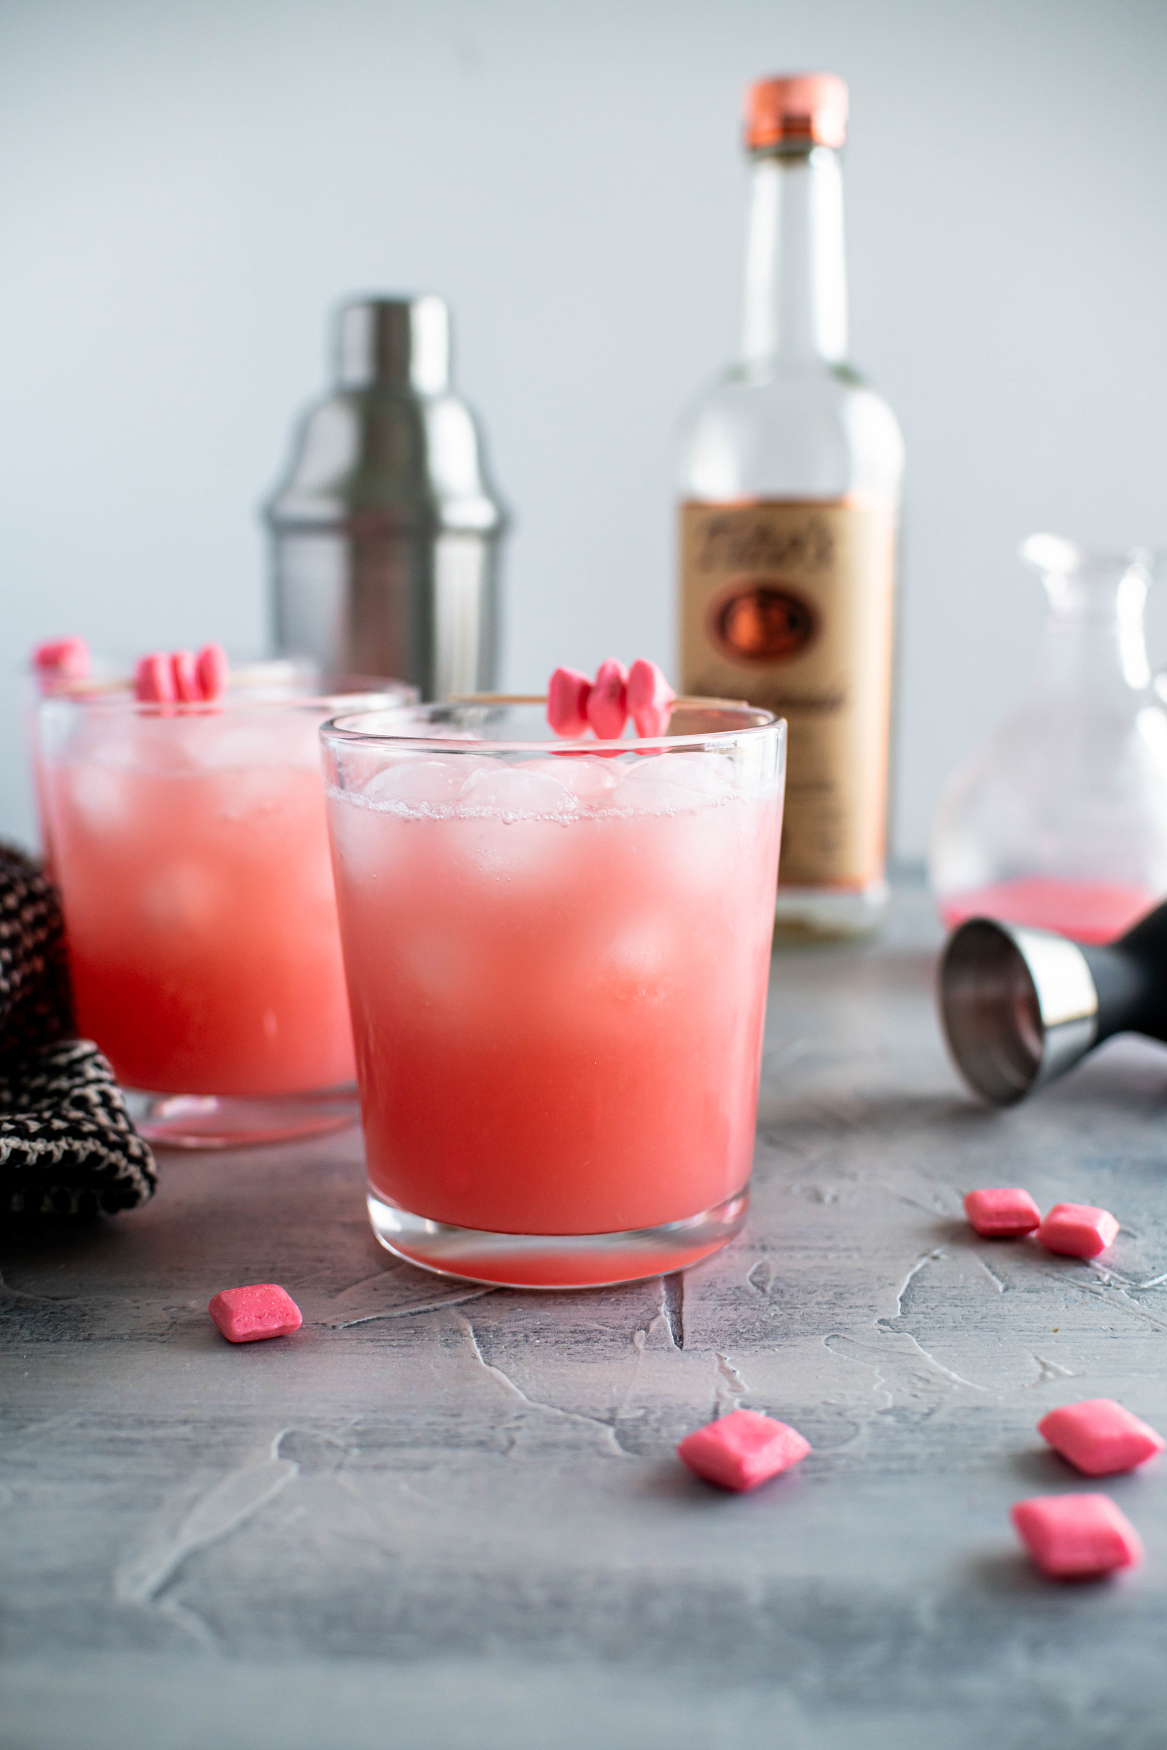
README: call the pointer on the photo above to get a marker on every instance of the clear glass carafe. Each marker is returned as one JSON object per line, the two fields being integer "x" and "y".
{"x": 1059, "y": 820}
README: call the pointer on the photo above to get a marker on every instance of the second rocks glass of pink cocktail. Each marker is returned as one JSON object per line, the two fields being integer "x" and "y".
{"x": 557, "y": 958}
{"x": 190, "y": 846}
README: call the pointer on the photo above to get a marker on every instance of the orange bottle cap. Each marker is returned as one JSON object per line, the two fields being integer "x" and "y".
{"x": 810, "y": 107}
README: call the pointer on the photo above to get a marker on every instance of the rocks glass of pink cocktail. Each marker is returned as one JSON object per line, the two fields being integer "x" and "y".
{"x": 190, "y": 846}
{"x": 557, "y": 958}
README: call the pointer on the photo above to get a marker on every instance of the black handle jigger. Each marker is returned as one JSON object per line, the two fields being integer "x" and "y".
{"x": 1021, "y": 1006}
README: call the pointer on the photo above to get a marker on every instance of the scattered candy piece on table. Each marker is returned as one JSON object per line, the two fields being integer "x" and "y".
{"x": 567, "y": 702}
{"x": 1077, "y": 1229}
{"x": 607, "y": 705}
{"x": 743, "y": 1449}
{"x": 66, "y": 657}
{"x": 650, "y": 698}
{"x": 1006, "y": 1210}
{"x": 1099, "y": 1437}
{"x": 186, "y": 677}
{"x": 245, "y": 1315}
{"x": 1076, "y": 1537}
{"x": 213, "y": 669}
{"x": 154, "y": 679}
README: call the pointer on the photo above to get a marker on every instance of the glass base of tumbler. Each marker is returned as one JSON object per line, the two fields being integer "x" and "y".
{"x": 555, "y": 1260}
{"x": 810, "y": 914}
{"x": 201, "y": 1121}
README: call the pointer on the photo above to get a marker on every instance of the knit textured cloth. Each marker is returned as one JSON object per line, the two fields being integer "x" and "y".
{"x": 67, "y": 1143}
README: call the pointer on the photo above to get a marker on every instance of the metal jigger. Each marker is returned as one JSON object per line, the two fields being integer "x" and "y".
{"x": 1021, "y": 1006}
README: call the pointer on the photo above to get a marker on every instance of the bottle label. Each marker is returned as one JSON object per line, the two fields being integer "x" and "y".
{"x": 788, "y": 603}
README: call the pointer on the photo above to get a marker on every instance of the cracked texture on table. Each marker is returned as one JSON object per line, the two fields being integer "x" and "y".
{"x": 452, "y": 1515}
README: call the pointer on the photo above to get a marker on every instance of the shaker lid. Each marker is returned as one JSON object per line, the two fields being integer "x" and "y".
{"x": 394, "y": 341}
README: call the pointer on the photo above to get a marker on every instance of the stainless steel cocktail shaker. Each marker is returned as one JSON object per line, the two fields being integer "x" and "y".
{"x": 385, "y": 529}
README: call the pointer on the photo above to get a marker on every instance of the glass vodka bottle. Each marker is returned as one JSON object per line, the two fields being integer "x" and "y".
{"x": 1059, "y": 820}
{"x": 790, "y": 473}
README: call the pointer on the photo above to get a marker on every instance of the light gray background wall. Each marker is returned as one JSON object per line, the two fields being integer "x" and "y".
{"x": 186, "y": 189}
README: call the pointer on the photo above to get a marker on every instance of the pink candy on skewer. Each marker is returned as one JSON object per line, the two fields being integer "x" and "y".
{"x": 212, "y": 671}
{"x": 165, "y": 678}
{"x": 186, "y": 677}
{"x": 567, "y": 702}
{"x": 649, "y": 698}
{"x": 575, "y": 704}
{"x": 154, "y": 682}
{"x": 607, "y": 706}
{"x": 67, "y": 658}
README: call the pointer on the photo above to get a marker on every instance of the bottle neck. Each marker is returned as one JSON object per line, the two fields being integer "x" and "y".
{"x": 1094, "y": 636}
{"x": 796, "y": 275}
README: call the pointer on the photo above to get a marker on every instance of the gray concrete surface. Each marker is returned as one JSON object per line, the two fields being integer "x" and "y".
{"x": 451, "y": 1519}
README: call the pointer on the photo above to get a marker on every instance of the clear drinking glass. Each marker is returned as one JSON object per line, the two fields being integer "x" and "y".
{"x": 1059, "y": 820}
{"x": 557, "y": 957}
{"x": 112, "y": 676}
{"x": 190, "y": 846}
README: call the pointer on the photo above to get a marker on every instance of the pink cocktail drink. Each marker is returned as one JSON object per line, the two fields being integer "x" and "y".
{"x": 557, "y": 965}
{"x": 191, "y": 849}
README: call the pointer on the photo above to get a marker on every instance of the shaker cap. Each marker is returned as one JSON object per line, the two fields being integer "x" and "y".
{"x": 798, "y": 107}
{"x": 402, "y": 342}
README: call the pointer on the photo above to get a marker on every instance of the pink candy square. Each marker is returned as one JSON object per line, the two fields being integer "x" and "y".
{"x": 1007, "y": 1210}
{"x": 567, "y": 702}
{"x": 743, "y": 1449}
{"x": 1074, "y": 1537}
{"x": 244, "y": 1315}
{"x": 650, "y": 698}
{"x": 1100, "y": 1437}
{"x": 607, "y": 703}
{"x": 1077, "y": 1229}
